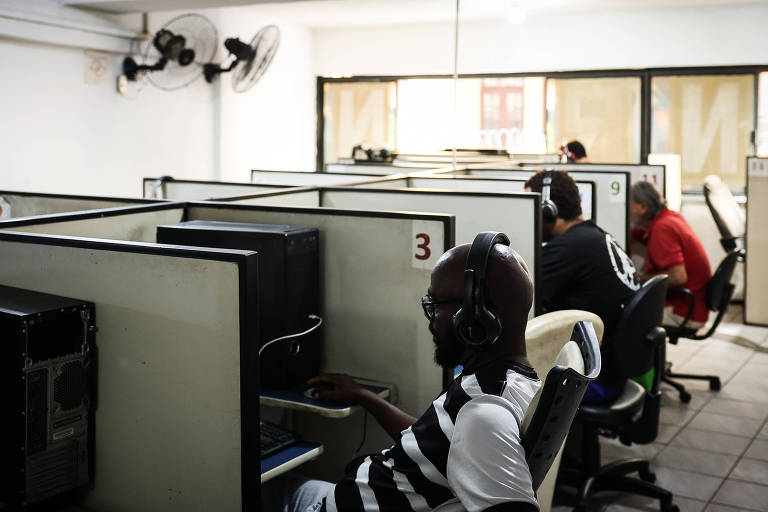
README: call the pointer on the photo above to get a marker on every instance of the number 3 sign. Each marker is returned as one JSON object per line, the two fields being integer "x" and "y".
{"x": 426, "y": 244}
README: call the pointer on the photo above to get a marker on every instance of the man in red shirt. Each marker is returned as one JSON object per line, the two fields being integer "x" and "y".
{"x": 673, "y": 249}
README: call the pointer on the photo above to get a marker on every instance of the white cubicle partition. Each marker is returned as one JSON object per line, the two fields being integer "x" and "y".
{"x": 359, "y": 250}
{"x": 490, "y": 184}
{"x": 656, "y": 174}
{"x": 379, "y": 169}
{"x": 756, "y": 243}
{"x": 28, "y": 204}
{"x": 172, "y": 382}
{"x": 612, "y": 193}
{"x": 673, "y": 185}
{"x": 305, "y": 179}
{"x": 517, "y": 215}
{"x": 190, "y": 190}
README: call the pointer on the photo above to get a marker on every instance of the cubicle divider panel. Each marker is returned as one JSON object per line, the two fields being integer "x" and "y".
{"x": 375, "y": 266}
{"x": 655, "y": 173}
{"x": 488, "y": 184}
{"x": 398, "y": 182}
{"x": 134, "y": 224}
{"x": 169, "y": 428}
{"x": 304, "y": 179}
{"x": 295, "y": 197}
{"x": 756, "y": 243}
{"x": 611, "y": 193}
{"x": 380, "y": 169}
{"x": 673, "y": 179}
{"x": 29, "y": 204}
{"x": 517, "y": 215}
{"x": 191, "y": 190}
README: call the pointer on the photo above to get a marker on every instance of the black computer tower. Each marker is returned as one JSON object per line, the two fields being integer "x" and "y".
{"x": 47, "y": 383}
{"x": 288, "y": 289}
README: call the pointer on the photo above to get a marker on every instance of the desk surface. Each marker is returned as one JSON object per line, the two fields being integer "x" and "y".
{"x": 295, "y": 399}
{"x": 289, "y": 458}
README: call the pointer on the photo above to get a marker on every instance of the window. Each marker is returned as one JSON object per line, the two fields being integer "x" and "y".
{"x": 358, "y": 113}
{"x": 708, "y": 121}
{"x": 602, "y": 113}
{"x": 761, "y": 137}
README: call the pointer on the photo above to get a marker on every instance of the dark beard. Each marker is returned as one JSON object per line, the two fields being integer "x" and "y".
{"x": 448, "y": 350}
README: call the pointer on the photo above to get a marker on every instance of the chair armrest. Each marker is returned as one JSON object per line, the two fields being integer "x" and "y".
{"x": 691, "y": 304}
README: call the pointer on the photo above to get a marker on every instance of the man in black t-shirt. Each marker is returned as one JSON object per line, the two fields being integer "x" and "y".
{"x": 583, "y": 268}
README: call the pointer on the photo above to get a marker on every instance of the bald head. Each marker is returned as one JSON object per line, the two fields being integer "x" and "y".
{"x": 508, "y": 288}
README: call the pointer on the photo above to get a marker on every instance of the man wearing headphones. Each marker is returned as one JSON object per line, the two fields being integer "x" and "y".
{"x": 582, "y": 268}
{"x": 574, "y": 152}
{"x": 467, "y": 445}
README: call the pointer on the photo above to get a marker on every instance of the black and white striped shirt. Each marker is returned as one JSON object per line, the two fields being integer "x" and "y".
{"x": 465, "y": 446}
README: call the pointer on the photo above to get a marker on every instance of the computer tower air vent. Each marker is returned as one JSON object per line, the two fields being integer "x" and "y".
{"x": 69, "y": 385}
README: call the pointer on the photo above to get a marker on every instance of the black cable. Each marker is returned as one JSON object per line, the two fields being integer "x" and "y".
{"x": 365, "y": 431}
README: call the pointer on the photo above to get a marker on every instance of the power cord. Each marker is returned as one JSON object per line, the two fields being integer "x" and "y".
{"x": 365, "y": 432}
{"x": 295, "y": 346}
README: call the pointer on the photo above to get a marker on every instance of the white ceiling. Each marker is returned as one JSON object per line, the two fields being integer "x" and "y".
{"x": 326, "y": 13}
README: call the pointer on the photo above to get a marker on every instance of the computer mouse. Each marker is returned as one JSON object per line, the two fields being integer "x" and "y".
{"x": 320, "y": 387}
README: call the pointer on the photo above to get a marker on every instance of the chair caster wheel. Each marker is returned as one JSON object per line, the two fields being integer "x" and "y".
{"x": 647, "y": 476}
{"x": 714, "y": 385}
{"x": 670, "y": 508}
{"x": 685, "y": 397}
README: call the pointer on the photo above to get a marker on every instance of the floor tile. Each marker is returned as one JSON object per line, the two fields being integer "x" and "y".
{"x": 676, "y": 415}
{"x": 743, "y": 495}
{"x": 737, "y": 408}
{"x": 643, "y": 503}
{"x": 667, "y": 433}
{"x": 715, "y": 464}
{"x": 751, "y": 470}
{"x": 715, "y": 507}
{"x": 711, "y": 441}
{"x": 726, "y": 424}
{"x": 686, "y": 484}
{"x": 758, "y": 450}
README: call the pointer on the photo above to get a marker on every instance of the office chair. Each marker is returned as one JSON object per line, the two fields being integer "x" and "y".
{"x": 719, "y": 292}
{"x": 726, "y": 212}
{"x": 633, "y": 417}
{"x": 548, "y": 419}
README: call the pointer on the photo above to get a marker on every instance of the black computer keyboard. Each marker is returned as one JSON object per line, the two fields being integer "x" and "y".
{"x": 274, "y": 438}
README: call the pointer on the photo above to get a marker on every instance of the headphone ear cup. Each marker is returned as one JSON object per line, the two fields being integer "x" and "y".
{"x": 485, "y": 329}
{"x": 548, "y": 210}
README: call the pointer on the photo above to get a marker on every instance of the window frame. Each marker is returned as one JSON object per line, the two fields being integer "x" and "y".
{"x": 645, "y": 75}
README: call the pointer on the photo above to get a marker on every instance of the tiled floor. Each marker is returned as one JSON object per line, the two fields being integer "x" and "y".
{"x": 712, "y": 453}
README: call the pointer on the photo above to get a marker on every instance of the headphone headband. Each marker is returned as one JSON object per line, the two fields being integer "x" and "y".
{"x": 476, "y": 324}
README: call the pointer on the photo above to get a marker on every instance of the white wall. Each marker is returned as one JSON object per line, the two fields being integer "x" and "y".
{"x": 272, "y": 126}
{"x": 572, "y": 41}
{"x": 60, "y": 134}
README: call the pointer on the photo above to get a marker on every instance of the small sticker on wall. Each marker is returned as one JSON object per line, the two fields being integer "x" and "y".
{"x": 426, "y": 244}
{"x": 96, "y": 68}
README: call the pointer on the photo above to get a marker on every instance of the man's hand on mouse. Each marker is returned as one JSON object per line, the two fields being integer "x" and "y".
{"x": 345, "y": 388}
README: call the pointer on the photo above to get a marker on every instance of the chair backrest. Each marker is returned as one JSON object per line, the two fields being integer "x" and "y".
{"x": 726, "y": 212}
{"x": 545, "y": 335}
{"x": 549, "y": 416}
{"x": 630, "y": 352}
{"x": 719, "y": 287}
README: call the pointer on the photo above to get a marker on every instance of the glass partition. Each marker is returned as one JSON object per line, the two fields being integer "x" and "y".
{"x": 708, "y": 120}
{"x": 601, "y": 113}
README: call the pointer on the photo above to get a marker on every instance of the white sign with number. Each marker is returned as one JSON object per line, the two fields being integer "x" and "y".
{"x": 426, "y": 245}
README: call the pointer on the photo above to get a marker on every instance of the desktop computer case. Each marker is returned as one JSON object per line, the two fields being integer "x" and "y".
{"x": 288, "y": 280}
{"x": 47, "y": 391}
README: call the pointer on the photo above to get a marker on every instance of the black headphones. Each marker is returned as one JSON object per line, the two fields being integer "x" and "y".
{"x": 548, "y": 207}
{"x": 476, "y": 324}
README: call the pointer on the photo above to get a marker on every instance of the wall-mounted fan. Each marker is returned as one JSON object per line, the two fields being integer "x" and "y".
{"x": 250, "y": 61}
{"x": 174, "y": 58}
